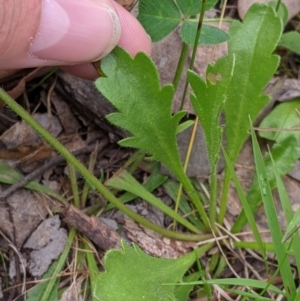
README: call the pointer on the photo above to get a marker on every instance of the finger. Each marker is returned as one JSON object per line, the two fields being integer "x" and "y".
{"x": 133, "y": 38}
{"x": 56, "y": 32}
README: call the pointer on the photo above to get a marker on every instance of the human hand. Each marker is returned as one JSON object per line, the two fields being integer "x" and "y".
{"x": 67, "y": 33}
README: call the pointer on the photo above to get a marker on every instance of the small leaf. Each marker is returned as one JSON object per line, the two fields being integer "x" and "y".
{"x": 285, "y": 116}
{"x": 253, "y": 43}
{"x": 291, "y": 41}
{"x": 144, "y": 107}
{"x": 159, "y": 18}
{"x": 125, "y": 181}
{"x": 208, "y": 102}
{"x": 133, "y": 275}
{"x": 210, "y": 35}
{"x": 182, "y": 292}
{"x": 193, "y": 7}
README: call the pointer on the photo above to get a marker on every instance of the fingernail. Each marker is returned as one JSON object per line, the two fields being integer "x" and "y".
{"x": 75, "y": 31}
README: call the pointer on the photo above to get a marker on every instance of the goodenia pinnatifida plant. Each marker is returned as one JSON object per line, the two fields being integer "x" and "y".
{"x": 144, "y": 108}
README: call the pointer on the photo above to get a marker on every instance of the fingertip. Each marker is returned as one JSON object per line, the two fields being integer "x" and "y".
{"x": 133, "y": 37}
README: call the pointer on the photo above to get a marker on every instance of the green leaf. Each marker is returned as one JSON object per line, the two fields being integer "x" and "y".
{"x": 253, "y": 43}
{"x": 182, "y": 292}
{"x": 284, "y": 154}
{"x": 291, "y": 41}
{"x": 172, "y": 188}
{"x": 273, "y": 222}
{"x": 153, "y": 181}
{"x": 210, "y": 35}
{"x": 159, "y": 18}
{"x": 193, "y": 7}
{"x": 285, "y": 116}
{"x": 125, "y": 181}
{"x": 133, "y": 275}
{"x": 145, "y": 111}
{"x": 208, "y": 102}
{"x": 184, "y": 126}
{"x": 144, "y": 107}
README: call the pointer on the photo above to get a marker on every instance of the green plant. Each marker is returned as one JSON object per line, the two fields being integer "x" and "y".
{"x": 233, "y": 86}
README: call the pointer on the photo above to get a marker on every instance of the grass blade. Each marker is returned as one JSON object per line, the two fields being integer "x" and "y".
{"x": 246, "y": 207}
{"x": 290, "y": 217}
{"x": 271, "y": 214}
{"x": 125, "y": 181}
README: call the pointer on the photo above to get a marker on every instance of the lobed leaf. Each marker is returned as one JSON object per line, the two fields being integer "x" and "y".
{"x": 208, "y": 100}
{"x": 144, "y": 107}
{"x": 253, "y": 43}
{"x": 133, "y": 275}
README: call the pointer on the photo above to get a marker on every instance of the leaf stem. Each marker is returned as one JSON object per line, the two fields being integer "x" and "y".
{"x": 213, "y": 198}
{"x": 74, "y": 186}
{"x": 190, "y": 190}
{"x": 186, "y": 162}
{"x": 92, "y": 179}
{"x": 180, "y": 66}
{"x": 224, "y": 197}
{"x": 278, "y": 5}
{"x": 195, "y": 47}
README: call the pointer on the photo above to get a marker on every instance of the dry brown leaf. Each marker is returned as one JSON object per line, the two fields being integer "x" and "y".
{"x": 27, "y": 153}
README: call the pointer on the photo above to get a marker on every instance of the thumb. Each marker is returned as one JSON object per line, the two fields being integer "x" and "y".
{"x": 56, "y": 32}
